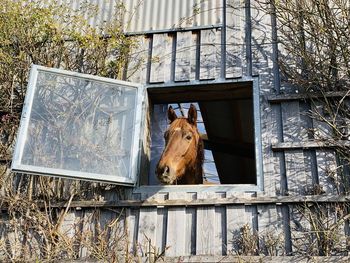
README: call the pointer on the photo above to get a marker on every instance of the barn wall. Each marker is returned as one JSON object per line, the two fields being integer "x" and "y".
{"x": 250, "y": 50}
{"x": 276, "y": 228}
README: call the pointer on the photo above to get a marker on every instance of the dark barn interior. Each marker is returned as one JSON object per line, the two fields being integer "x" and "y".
{"x": 227, "y": 112}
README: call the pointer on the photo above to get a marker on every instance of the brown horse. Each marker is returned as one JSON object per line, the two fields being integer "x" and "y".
{"x": 182, "y": 159}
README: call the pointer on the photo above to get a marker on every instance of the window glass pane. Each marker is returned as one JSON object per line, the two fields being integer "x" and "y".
{"x": 81, "y": 125}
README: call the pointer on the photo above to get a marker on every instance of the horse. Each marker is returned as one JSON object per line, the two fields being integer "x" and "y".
{"x": 182, "y": 159}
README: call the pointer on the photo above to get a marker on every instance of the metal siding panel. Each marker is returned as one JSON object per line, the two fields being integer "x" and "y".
{"x": 154, "y": 14}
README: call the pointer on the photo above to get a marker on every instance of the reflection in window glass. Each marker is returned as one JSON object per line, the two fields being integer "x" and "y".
{"x": 80, "y": 124}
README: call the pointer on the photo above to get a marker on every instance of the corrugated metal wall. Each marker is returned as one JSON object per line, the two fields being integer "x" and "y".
{"x": 153, "y": 15}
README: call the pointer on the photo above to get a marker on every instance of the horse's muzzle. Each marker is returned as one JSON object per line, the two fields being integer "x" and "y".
{"x": 165, "y": 176}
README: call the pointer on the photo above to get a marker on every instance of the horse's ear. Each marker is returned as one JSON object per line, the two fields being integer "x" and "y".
{"x": 192, "y": 115}
{"x": 171, "y": 114}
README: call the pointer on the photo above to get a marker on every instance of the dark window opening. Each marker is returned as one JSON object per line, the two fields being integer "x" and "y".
{"x": 226, "y": 124}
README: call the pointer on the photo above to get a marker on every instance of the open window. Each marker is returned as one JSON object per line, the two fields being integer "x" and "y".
{"x": 229, "y": 124}
{"x": 87, "y": 127}
{"x": 80, "y": 126}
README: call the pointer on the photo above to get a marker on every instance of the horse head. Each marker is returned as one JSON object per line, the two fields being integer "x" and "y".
{"x": 182, "y": 159}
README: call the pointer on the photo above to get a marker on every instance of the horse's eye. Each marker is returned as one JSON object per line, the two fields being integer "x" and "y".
{"x": 188, "y": 137}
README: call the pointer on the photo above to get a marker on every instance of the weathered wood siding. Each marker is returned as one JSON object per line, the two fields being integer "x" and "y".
{"x": 276, "y": 229}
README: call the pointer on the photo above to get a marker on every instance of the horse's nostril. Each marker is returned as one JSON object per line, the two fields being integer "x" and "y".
{"x": 166, "y": 169}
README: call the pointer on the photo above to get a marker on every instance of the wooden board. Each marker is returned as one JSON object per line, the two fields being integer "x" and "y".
{"x": 162, "y": 54}
{"x": 271, "y": 232}
{"x": 176, "y": 227}
{"x": 185, "y": 61}
{"x": 236, "y": 218}
{"x": 261, "y": 45}
{"x": 274, "y": 180}
{"x": 138, "y": 61}
{"x": 235, "y": 35}
{"x": 205, "y": 235}
{"x": 190, "y": 232}
{"x": 210, "y": 54}
{"x": 220, "y": 227}
{"x": 297, "y": 179}
{"x": 326, "y": 159}
{"x": 327, "y": 171}
{"x": 146, "y": 240}
{"x": 87, "y": 230}
{"x": 260, "y": 53}
{"x": 131, "y": 225}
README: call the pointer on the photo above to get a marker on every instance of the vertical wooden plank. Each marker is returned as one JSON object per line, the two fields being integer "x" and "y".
{"x": 210, "y": 54}
{"x": 147, "y": 226}
{"x": 309, "y": 155}
{"x": 191, "y": 227}
{"x": 298, "y": 181}
{"x": 301, "y": 234}
{"x": 146, "y": 237}
{"x": 67, "y": 227}
{"x": 259, "y": 30}
{"x": 87, "y": 232}
{"x": 152, "y": 228}
{"x": 176, "y": 227}
{"x": 161, "y": 58}
{"x": 137, "y": 63}
{"x": 327, "y": 171}
{"x": 271, "y": 232}
{"x": 326, "y": 159}
{"x": 220, "y": 227}
{"x": 205, "y": 236}
{"x": 132, "y": 222}
{"x": 235, "y": 35}
{"x": 185, "y": 62}
{"x": 236, "y": 218}
{"x": 161, "y": 226}
{"x": 261, "y": 34}
{"x": 271, "y": 126}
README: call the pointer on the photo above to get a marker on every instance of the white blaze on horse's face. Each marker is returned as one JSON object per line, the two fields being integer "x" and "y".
{"x": 179, "y": 161}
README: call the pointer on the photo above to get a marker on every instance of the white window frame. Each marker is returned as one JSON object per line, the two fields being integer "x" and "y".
{"x": 259, "y": 186}
{"x": 129, "y": 180}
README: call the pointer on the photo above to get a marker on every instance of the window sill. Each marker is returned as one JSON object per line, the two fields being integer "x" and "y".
{"x": 153, "y": 189}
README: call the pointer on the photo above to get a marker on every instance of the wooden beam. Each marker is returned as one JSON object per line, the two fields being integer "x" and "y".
{"x": 276, "y": 200}
{"x": 257, "y": 259}
{"x": 282, "y": 146}
{"x": 306, "y": 96}
{"x": 238, "y": 259}
{"x": 205, "y": 92}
